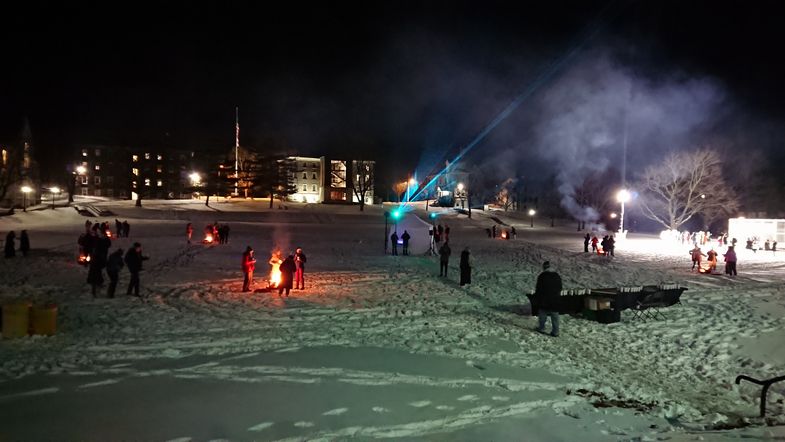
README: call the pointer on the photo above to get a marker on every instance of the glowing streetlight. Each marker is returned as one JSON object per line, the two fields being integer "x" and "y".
{"x": 613, "y": 215}
{"x": 55, "y": 191}
{"x": 196, "y": 179}
{"x": 460, "y": 187}
{"x": 81, "y": 170}
{"x": 532, "y": 212}
{"x": 461, "y": 194}
{"x": 25, "y": 191}
{"x": 622, "y": 196}
{"x": 409, "y": 184}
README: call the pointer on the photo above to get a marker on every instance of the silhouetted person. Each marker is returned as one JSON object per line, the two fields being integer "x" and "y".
{"x": 113, "y": 266}
{"x": 98, "y": 258}
{"x": 249, "y": 264}
{"x": 126, "y": 228}
{"x": 24, "y": 243}
{"x": 547, "y": 294}
{"x": 287, "y": 269}
{"x": 189, "y": 231}
{"x": 466, "y": 267}
{"x": 493, "y": 231}
{"x": 444, "y": 258}
{"x": 133, "y": 259}
{"x": 299, "y": 275}
{"x": 586, "y": 240}
{"x": 118, "y": 228}
{"x": 394, "y": 241}
{"x": 730, "y": 261}
{"x": 10, "y": 245}
{"x": 405, "y": 237}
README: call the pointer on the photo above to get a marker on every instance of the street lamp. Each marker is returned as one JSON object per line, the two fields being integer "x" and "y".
{"x": 196, "y": 179}
{"x": 461, "y": 195}
{"x": 622, "y": 196}
{"x": 409, "y": 184}
{"x": 55, "y": 191}
{"x": 613, "y": 215}
{"x": 532, "y": 212}
{"x": 25, "y": 191}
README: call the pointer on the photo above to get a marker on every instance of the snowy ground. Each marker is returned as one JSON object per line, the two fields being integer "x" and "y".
{"x": 378, "y": 346}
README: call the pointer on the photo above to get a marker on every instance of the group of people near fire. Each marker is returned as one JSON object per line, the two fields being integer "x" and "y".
{"x": 291, "y": 269}
{"x": 606, "y": 246}
{"x": 213, "y": 233}
{"x": 94, "y": 245}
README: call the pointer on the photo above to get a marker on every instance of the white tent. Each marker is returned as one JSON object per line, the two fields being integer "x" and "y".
{"x": 418, "y": 229}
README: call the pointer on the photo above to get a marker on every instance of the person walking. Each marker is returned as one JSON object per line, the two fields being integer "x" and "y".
{"x": 586, "y": 240}
{"x": 248, "y": 264}
{"x": 594, "y": 242}
{"x": 444, "y": 258}
{"x": 696, "y": 255}
{"x": 466, "y": 267}
{"x": 730, "y": 261}
{"x": 189, "y": 231}
{"x": 98, "y": 258}
{"x": 299, "y": 275}
{"x": 394, "y": 241}
{"x": 546, "y": 294}
{"x": 711, "y": 258}
{"x": 405, "y": 238}
{"x": 133, "y": 260}
{"x": 24, "y": 243}
{"x": 10, "y": 244}
{"x": 288, "y": 267}
{"x": 113, "y": 266}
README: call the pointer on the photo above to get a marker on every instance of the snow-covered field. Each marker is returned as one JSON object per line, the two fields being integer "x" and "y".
{"x": 378, "y": 346}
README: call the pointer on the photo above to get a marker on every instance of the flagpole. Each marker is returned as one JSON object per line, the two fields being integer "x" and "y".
{"x": 236, "y": 148}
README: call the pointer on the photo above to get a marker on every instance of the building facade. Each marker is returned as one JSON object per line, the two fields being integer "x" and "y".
{"x": 308, "y": 173}
{"x": 327, "y": 180}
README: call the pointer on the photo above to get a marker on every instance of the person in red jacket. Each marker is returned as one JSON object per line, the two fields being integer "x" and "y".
{"x": 249, "y": 263}
{"x": 189, "y": 231}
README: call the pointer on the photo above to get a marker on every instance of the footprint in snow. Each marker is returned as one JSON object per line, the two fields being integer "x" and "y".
{"x": 262, "y": 426}
{"x": 303, "y": 424}
{"x": 420, "y": 404}
{"x": 380, "y": 410}
{"x": 335, "y": 412}
{"x": 500, "y": 398}
{"x": 445, "y": 407}
{"x": 468, "y": 397}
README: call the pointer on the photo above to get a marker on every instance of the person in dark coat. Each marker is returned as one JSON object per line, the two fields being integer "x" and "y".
{"x": 118, "y": 228}
{"x": 225, "y": 234}
{"x": 611, "y": 244}
{"x": 586, "y": 240}
{"x": 493, "y": 231}
{"x": 440, "y": 229}
{"x": 446, "y": 232}
{"x": 730, "y": 261}
{"x": 288, "y": 267}
{"x": 126, "y": 229}
{"x": 466, "y": 267}
{"x": 405, "y": 238}
{"x": 249, "y": 264}
{"x": 444, "y": 258}
{"x": 24, "y": 243}
{"x": 547, "y": 294}
{"x": 394, "y": 241}
{"x": 513, "y": 232}
{"x": 299, "y": 275}
{"x": 10, "y": 245}
{"x": 133, "y": 259}
{"x": 189, "y": 231}
{"x": 113, "y": 266}
{"x": 98, "y": 258}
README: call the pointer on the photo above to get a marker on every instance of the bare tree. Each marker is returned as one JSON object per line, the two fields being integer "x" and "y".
{"x": 505, "y": 198}
{"x": 362, "y": 181}
{"x": 399, "y": 188}
{"x": 686, "y": 184}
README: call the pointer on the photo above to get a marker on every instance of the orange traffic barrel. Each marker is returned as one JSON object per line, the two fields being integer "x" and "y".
{"x": 16, "y": 319}
{"x": 44, "y": 319}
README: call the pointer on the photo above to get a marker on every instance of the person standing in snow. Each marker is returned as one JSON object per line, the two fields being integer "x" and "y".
{"x": 405, "y": 237}
{"x": 446, "y": 232}
{"x": 586, "y": 240}
{"x": 493, "y": 231}
{"x": 133, "y": 259}
{"x": 299, "y": 274}
{"x": 611, "y": 244}
{"x": 113, "y": 266}
{"x": 249, "y": 263}
{"x": 730, "y": 261}
{"x": 513, "y": 232}
{"x": 394, "y": 241}
{"x": 444, "y": 258}
{"x": 466, "y": 267}
{"x": 24, "y": 243}
{"x": 126, "y": 229}
{"x": 189, "y": 231}
{"x": 547, "y": 294}
{"x": 98, "y": 258}
{"x": 697, "y": 255}
{"x": 225, "y": 234}
{"x": 10, "y": 245}
{"x": 288, "y": 267}
{"x": 118, "y": 228}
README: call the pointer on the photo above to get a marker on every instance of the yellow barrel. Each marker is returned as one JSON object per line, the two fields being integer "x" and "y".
{"x": 44, "y": 319}
{"x": 16, "y": 319}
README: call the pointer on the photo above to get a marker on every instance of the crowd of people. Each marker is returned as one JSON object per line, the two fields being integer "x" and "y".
{"x": 94, "y": 245}
{"x": 291, "y": 268}
{"x": 604, "y": 247}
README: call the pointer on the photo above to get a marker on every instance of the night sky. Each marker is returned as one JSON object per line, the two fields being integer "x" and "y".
{"x": 408, "y": 82}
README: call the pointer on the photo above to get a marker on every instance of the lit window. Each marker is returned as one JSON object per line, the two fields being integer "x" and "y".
{"x": 160, "y": 157}
{"x": 160, "y": 183}
{"x": 97, "y": 167}
{"x": 160, "y": 168}
{"x": 98, "y": 152}
{"x": 135, "y": 157}
{"x": 133, "y": 183}
{"x": 84, "y": 152}
{"x": 83, "y": 179}
{"x": 314, "y": 187}
{"x": 135, "y": 171}
{"x": 147, "y": 182}
{"x": 5, "y": 156}
{"x": 147, "y": 155}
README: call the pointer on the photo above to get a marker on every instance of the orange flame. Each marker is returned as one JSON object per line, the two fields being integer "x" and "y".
{"x": 275, "y": 272}
{"x": 208, "y": 238}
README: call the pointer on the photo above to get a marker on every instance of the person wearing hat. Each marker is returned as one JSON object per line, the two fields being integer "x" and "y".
{"x": 133, "y": 259}
{"x": 547, "y": 294}
{"x": 249, "y": 263}
{"x": 299, "y": 273}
